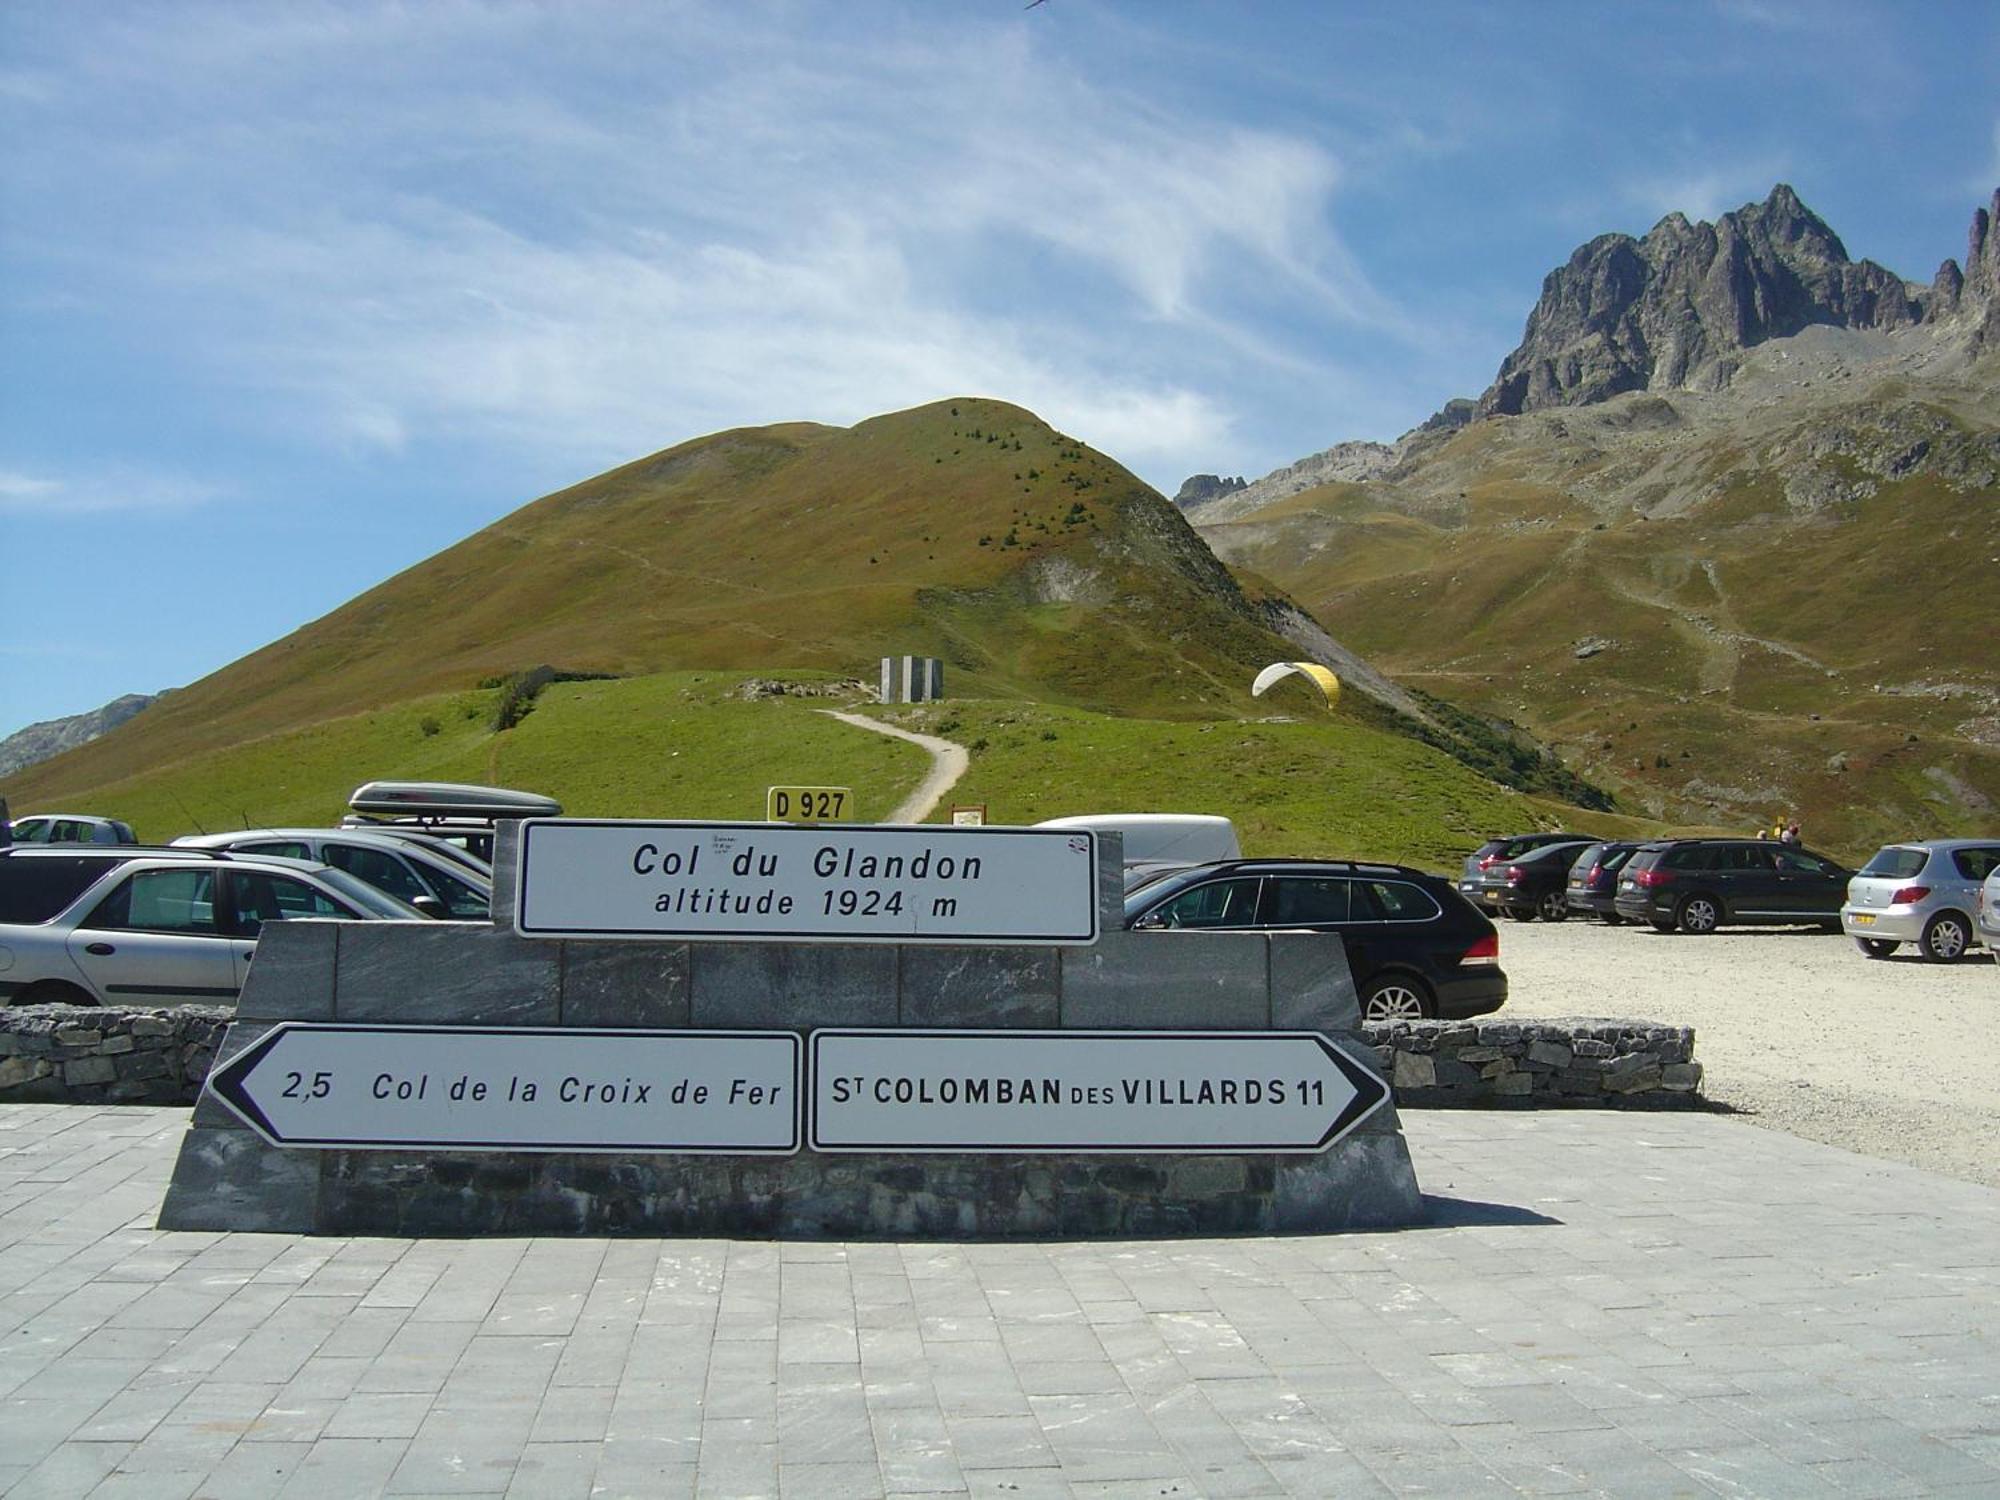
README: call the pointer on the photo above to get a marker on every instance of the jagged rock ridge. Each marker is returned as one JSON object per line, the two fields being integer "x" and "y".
{"x": 1678, "y": 308}
{"x": 40, "y": 742}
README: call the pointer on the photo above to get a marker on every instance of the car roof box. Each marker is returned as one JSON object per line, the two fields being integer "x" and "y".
{"x": 449, "y": 799}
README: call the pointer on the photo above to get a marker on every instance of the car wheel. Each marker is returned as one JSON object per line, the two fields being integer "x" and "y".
{"x": 1946, "y": 938}
{"x": 1875, "y": 947}
{"x": 1698, "y": 915}
{"x": 1521, "y": 913}
{"x": 1396, "y": 998}
{"x": 54, "y": 992}
{"x": 1553, "y": 907}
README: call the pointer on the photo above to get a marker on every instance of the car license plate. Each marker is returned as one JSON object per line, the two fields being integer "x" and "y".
{"x": 1862, "y": 919}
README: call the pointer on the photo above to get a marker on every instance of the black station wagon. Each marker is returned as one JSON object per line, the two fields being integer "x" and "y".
{"x": 1697, "y": 885}
{"x": 1416, "y": 947}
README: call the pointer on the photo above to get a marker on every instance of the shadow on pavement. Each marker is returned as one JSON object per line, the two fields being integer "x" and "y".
{"x": 1457, "y": 1213}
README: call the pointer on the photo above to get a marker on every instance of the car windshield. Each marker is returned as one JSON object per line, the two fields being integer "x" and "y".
{"x": 365, "y": 898}
{"x": 1896, "y": 862}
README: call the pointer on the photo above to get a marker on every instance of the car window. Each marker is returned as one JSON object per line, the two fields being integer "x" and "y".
{"x": 1741, "y": 857}
{"x": 289, "y": 848}
{"x": 160, "y": 901}
{"x": 1399, "y": 901}
{"x": 68, "y": 831}
{"x": 30, "y": 830}
{"x": 33, "y": 890}
{"x": 1797, "y": 862}
{"x": 1689, "y": 857}
{"x": 460, "y": 900}
{"x": 1219, "y": 903}
{"x": 1976, "y": 864}
{"x": 264, "y": 896}
{"x": 383, "y": 871}
{"x": 1589, "y": 856}
{"x": 1295, "y": 901}
{"x": 1896, "y": 862}
{"x": 1614, "y": 860}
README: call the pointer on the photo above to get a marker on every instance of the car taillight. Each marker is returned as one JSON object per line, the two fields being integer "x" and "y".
{"x": 1909, "y": 895}
{"x": 1595, "y": 871}
{"x": 1489, "y": 861}
{"x": 1514, "y": 874}
{"x": 1485, "y": 951}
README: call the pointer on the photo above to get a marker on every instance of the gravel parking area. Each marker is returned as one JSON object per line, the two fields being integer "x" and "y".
{"x": 1895, "y": 1058}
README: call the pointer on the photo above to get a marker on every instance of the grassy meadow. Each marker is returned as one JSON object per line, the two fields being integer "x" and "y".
{"x": 688, "y": 745}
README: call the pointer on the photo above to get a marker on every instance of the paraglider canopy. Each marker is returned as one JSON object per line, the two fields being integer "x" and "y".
{"x": 1278, "y": 671}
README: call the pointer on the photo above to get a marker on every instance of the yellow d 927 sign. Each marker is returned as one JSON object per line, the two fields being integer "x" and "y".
{"x": 807, "y": 804}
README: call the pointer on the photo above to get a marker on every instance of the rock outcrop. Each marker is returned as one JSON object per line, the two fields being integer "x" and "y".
{"x": 1677, "y": 309}
{"x": 1199, "y": 489}
{"x": 1344, "y": 462}
{"x": 43, "y": 741}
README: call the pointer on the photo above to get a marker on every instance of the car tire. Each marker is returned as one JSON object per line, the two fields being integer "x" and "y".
{"x": 1698, "y": 915}
{"x": 54, "y": 992}
{"x": 1553, "y": 907}
{"x": 1946, "y": 937}
{"x": 1875, "y": 947}
{"x": 1397, "y": 997}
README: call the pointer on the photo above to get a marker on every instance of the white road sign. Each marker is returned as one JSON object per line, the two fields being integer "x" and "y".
{"x": 835, "y": 883}
{"x": 518, "y": 1089}
{"x": 1049, "y": 1091}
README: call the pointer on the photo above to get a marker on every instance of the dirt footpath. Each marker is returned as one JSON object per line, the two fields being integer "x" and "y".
{"x": 1894, "y": 1057}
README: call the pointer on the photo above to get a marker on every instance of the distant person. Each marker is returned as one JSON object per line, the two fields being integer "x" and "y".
{"x": 1791, "y": 834}
{"x": 1763, "y": 833}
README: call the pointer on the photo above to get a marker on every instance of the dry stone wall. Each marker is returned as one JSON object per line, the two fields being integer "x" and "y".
{"x": 78, "y": 1054}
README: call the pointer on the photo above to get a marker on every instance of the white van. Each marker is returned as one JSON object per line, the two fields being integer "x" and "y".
{"x": 1158, "y": 842}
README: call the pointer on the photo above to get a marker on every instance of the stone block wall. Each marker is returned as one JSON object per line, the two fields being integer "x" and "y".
{"x": 1588, "y": 1061}
{"x": 462, "y": 974}
{"x": 79, "y": 1054}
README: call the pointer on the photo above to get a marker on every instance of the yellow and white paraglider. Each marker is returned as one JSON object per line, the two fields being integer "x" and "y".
{"x": 1278, "y": 671}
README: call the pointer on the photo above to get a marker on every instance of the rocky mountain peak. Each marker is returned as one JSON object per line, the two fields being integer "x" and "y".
{"x": 1677, "y": 308}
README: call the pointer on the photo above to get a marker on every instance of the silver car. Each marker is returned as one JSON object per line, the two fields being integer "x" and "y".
{"x": 1987, "y": 919}
{"x": 435, "y": 883}
{"x": 1924, "y": 892}
{"x": 135, "y": 926}
{"x": 70, "y": 828}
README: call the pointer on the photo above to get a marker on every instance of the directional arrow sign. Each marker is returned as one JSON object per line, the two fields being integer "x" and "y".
{"x": 1045, "y": 1091}
{"x": 518, "y": 1088}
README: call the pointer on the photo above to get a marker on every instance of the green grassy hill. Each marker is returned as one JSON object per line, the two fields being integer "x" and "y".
{"x": 1051, "y": 581}
{"x": 690, "y": 745}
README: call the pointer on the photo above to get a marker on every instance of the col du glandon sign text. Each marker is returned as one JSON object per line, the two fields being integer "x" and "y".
{"x": 836, "y": 884}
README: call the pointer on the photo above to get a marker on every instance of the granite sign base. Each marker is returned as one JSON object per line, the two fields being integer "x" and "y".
{"x": 229, "y": 1177}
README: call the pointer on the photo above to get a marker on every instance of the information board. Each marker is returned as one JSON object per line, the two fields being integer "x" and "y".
{"x": 1071, "y": 1091}
{"x": 843, "y": 883}
{"x": 518, "y": 1088}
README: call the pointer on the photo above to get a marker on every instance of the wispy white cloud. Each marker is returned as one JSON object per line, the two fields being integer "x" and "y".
{"x": 99, "y": 492}
{"x": 790, "y": 227}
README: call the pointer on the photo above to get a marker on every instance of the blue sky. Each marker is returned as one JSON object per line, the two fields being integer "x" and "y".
{"x": 294, "y": 295}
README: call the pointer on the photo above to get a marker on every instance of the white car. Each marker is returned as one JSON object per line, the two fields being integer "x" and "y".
{"x": 435, "y": 883}
{"x": 70, "y": 828}
{"x": 95, "y": 925}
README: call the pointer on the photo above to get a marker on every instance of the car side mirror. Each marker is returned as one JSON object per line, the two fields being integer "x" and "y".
{"x": 1151, "y": 922}
{"x": 431, "y": 907}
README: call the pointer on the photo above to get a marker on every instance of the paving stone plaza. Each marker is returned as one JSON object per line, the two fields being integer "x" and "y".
{"x": 1603, "y": 1304}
